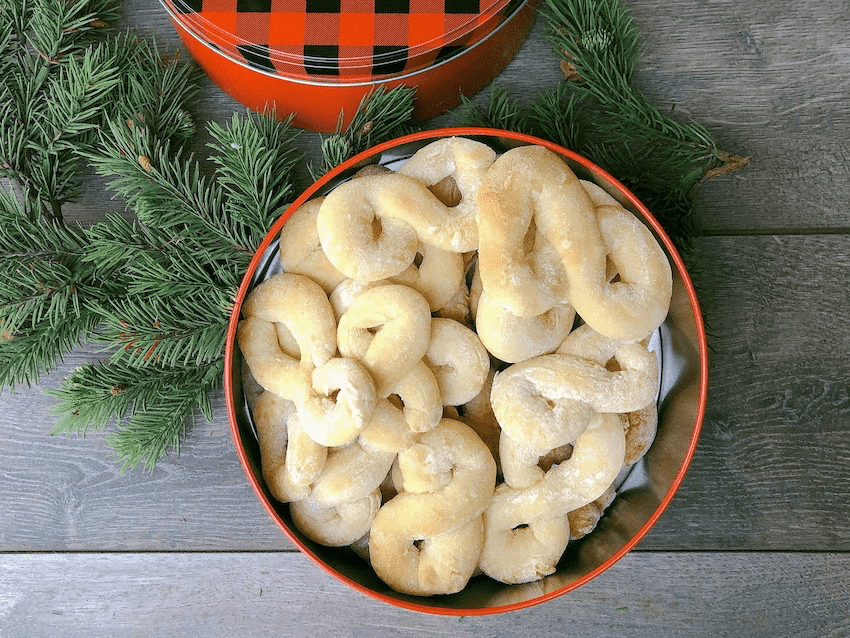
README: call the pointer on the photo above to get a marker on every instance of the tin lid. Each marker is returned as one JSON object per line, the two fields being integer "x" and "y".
{"x": 340, "y": 40}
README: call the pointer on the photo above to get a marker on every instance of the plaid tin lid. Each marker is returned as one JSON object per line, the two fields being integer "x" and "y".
{"x": 341, "y": 40}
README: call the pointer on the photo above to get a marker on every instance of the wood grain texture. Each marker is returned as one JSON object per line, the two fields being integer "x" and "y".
{"x": 65, "y": 493}
{"x": 195, "y": 595}
{"x": 769, "y": 80}
{"x": 774, "y": 456}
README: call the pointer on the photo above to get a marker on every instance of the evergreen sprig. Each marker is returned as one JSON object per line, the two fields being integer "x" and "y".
{"x": 56, "y": 78}
{"x": 151, "y": 405}
{"x": 175, "y": 269}
{"x": 255, "y": 176}
{"x": 382, "y": 114}
{"x": 43, "y": 286}
{"x": 154, "y": 287}
{"x": 42, "y": 292}
{"x": 501, "y": 111}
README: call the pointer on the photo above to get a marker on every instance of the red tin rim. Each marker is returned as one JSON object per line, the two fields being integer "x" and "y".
{"x": 648, "y": 218}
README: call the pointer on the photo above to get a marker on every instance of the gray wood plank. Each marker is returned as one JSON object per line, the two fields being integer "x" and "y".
{"x": 187, "y": 595}
{"x": 65, "y": 493}
{"x": 773, "y": 457}
{"x": 771, "y": 470}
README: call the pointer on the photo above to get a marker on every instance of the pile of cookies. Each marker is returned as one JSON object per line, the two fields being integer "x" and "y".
{"x": 453, "y": 367}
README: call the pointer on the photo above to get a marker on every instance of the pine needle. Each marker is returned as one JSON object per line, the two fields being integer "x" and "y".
{"x": 598, "y": 112}
{"x": 502, "y": 111}
{"x": 43, "y": 293}
{"x": 149, "y": 406}
{"x": 256, "y": 161}
{"x": 382, "y": 115}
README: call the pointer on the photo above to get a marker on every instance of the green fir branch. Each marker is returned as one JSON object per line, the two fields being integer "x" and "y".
{"x": 54, "y": 85}
{"x": 660, "y": 158}
{"x": 175, "y": 269}
{"x": 149, "y": 406}
{"x": 164, "y": 186}
{"x": 554, "y": 116}
{"x": 156, "y": 87}
{"x": 26, "y": 355}
{"x": 57, "y": 30}
{"x": 74, "y": 102}
{"x": 255, "y": 166}
{"x": 43, "y": 291}
{"x": 501, "y": 111}
{"x": 176, "y": 331}
{"x": 382, "y": 115}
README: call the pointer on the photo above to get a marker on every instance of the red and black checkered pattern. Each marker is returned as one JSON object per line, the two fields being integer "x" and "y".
{"x": 342, "y": 40}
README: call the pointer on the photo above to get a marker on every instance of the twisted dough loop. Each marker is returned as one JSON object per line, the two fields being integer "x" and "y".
{"x": 530, "y": 191}
{"x": 531, "y": 187}
{"x": 290, "y": 459}
{"x": 340, "y": 402}
{"x": 586, "y": 343}
{"x": 539, "y": 402}
{"x": 458, "y": 359}
{"x": 512, "y": 338}
{"x": 635, "y": 304}
{"x": 443, "y": 519}
{"x": 302, "y": 306}
{"x": 438, "y": 276}
{"x": 272, "y": 369}
{"x": 401, "y": 321}
{"x": 351, "y": 473}
{"x": 301, "y": 251}
{"x": 370, "y": 228}
{"x": 594, "y": 464}
{"x": 463, "y": 160}
{"x": 296, "y": 308}
{"x": 335, "y": 526}
{"x": 419, "y": 393}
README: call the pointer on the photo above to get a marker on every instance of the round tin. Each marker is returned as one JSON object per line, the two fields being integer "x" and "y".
{"x": 644, "y": 492}
{"x": 318, "y": 59}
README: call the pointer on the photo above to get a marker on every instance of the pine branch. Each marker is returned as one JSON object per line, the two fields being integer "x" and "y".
{"x": 159, "y": 183}
{"x": 502, "y": 111}
{"x": 25, "y": 356}
{"x": 174, "y": 331}
{"x": 44, "y": 287}
{"x": 150, "y": 406}
{"x": 155, "y": 90}
{"x": 554, "y": 116}
{"x": 54, "y": 84}
{"x": 57, "y": 30}
{"x": 381, "y": 115}
{"x": 174, "y": 271}
{"x": 255, "y": 161}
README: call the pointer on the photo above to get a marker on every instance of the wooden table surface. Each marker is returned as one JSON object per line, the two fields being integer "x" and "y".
{"x": 756, "y": 541}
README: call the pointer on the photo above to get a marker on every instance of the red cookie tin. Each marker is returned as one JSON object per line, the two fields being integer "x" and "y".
{"x": 317, "y": 59}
